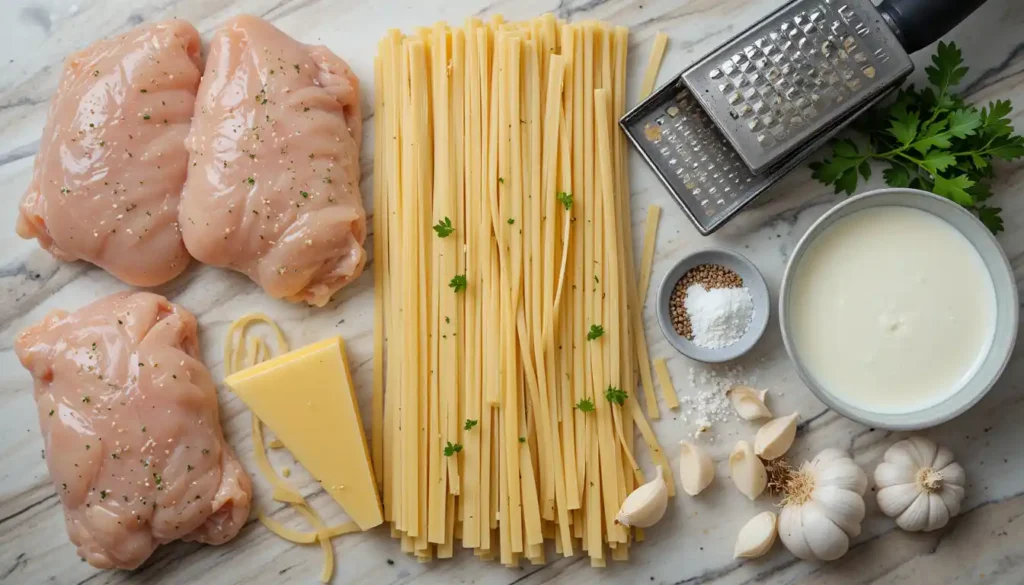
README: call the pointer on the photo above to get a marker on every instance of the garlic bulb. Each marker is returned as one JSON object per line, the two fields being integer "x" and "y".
{"x": 757, "y": 536}
{"x": 747, "y": 470}
{"x": 749, "y": 403}
{"x": 823, "y": 507}
{"x": 696, "y": 469}
{"x": 646, "y": 505}
{"x": 919, "y": 484}
{"x": 776, "y": 437}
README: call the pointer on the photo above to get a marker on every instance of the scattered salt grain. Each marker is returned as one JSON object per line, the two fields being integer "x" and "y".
{"x": 707, "y": 405}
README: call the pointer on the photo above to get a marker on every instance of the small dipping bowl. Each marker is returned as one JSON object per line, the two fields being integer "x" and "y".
{"x": 1006, "y": 308}
{"x": 752, "y": 280}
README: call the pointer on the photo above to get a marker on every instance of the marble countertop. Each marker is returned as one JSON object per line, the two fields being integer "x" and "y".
{"x": 694, "y": 543}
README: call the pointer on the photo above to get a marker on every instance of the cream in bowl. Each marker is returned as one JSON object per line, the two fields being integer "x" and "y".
{"x": 891, "y": 312}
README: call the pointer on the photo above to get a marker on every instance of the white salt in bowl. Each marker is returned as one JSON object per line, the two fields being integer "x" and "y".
{"x": 752, "y": 280}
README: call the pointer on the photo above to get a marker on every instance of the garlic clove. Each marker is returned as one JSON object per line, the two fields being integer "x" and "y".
{"x": 747, "y": 470}
{"x": 827, "y": 540}
{"x": 953, "y": 496}
{"x": 776, "y": 437}
{"x": 953, "y": 474}
{"x": 791, "y": 533}
{"x": 757, "y": 536}
{"x": 646, "y": 505}
{"x": 938, "y": 514}
{"x": 843, "y": 507}
{"x": 749, "y": 403}
{"x": 926, "y": 450}
{"x": 889, "y": 474}
{"x": 942, "y": 458}
{"x": 915, "y": 517}
{"x": 845, "y": 475}
{"x": 829, "y": 456}
{"x": 903, "y": 453}
{"x": 696, "y": 469}
{"x": 893, "y": 500}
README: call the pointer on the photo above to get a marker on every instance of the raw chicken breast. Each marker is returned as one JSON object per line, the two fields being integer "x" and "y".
{"x": 130, "y": 422}
{"x": 112, "y": 159}
{"x": 273, "y": 181}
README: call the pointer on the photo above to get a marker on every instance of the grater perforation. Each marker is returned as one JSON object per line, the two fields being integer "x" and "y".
{"x": 785, "y": 79}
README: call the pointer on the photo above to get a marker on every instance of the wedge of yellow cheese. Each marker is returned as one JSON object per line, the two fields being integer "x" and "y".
{"x": 307, "y": 398}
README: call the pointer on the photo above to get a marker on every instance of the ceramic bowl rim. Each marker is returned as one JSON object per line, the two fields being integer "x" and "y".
{"x": 759, "y": 324}
{"x": 974, "y": 389}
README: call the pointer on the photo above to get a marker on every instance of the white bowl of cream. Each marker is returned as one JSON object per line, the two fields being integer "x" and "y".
{"x": 899, "y": 309}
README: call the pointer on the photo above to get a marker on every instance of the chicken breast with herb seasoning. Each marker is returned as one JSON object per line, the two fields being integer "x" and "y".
{"x": 273, "y": 183}
{"x": 112, "y": 158}
{"x": 131, "y": 427}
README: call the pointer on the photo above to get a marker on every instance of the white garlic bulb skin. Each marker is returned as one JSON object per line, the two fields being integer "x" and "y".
{"x": 646, "y": 505}
{"x": 823, "y": 507}
{"x": 919, "y": 484}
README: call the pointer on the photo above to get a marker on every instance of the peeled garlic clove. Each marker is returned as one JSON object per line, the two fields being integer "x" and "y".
{"x": 696, "y": 469}
{"x": 776, "y": 437}
{"x": 747, "y": 471}
{"x": 646, "y": 505}
{"x": 749, "y": 403}
{"x": 757, "y": 536}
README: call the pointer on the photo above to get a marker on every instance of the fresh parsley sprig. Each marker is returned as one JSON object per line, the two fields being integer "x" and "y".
{"x": 458, "y": 283}
{"x": 451, "y": 449}
{"x": 585, "y": 405}
{"x": 565, "y": 199}
{"x": 615, "y": 395}
{"x": 930, "y": 139}
{"x": 444, "y": 228}
{"x": 595, "y": 332}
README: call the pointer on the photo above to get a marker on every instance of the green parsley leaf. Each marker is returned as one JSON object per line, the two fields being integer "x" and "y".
{"x": 931, "y": 139}
{"x": 522, "y": 439}
{"x": 595, "y": 332}
{"x": 457, "y": 283}
{"x": 451, "y": 449}
{"x": 566, "y": 200}
{"x": 511, "y": 221}
{"x": 470, "y": 423}
{"x": 444, "y": 228}
{"x": 896, "y": 175}
{"x": 904, "y": 129}
{"x": 613, "y": 394}
{"x": 955, "y": 189}
{"x": 946, "y": 69}
{"x": 585, "y": 405}
{"x": 990, "y": 217}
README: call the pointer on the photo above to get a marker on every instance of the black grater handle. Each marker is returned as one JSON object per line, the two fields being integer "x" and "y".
{"x": 919, "y": 23}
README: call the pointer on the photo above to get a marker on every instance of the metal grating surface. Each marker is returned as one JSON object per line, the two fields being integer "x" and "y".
{"x": 696, "y": 163}
{"x": 784, "y": 80}
{"x": 699, "y": 167}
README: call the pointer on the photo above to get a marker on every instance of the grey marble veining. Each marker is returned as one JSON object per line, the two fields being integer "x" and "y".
{"x": 693, "y": 544}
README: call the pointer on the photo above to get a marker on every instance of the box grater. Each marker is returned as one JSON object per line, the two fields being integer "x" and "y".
{"x": 734, "y": 123}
